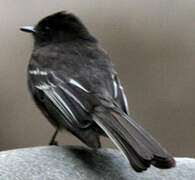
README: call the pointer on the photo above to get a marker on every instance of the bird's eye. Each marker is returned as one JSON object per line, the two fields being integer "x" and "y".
{"x": 47, "y": 28}
{"x": 45, "y": 31}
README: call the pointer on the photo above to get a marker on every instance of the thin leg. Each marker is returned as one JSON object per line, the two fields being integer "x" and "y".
{"x": 53, "y": 141}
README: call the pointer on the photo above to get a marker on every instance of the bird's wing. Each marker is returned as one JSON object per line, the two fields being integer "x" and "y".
{"x": 67, "y": 102}
{"x": 118, "y": 93}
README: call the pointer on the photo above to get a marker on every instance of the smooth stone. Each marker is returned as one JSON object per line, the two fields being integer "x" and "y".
{"x": 82, "y": 163}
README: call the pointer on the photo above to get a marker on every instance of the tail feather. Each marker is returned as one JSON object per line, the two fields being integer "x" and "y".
{"x": 139, "y": 164}
{"x": 140, "y": 134}
{"x": 137, "y": 145}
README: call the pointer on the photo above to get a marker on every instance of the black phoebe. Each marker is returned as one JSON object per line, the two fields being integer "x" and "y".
{"x": 74, "y": 83}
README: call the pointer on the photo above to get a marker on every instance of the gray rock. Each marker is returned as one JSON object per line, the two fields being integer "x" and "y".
{"x": 81, "y": 163}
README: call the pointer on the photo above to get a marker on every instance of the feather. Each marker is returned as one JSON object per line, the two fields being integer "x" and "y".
{"x": 135, "y": 143}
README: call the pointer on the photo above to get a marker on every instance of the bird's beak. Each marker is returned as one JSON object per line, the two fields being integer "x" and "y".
{"x": 29, "y": 29}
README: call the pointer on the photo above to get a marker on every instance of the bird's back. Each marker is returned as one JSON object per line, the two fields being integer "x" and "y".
{"x": 75, "y": 60}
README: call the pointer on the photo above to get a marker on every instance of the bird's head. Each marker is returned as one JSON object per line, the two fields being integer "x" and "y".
{"x": 59, "y": 27}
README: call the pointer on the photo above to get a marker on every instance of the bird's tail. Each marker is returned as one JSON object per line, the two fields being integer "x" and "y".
{"x": 140, "y": 148}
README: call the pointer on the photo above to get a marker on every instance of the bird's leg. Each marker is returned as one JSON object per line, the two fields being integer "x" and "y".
{"x": 53, "y": 141}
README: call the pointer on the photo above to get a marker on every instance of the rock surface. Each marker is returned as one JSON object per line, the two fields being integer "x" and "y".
{"x": 81, "y": 163}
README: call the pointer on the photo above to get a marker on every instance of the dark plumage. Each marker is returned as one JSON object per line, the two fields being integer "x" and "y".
{"x": 74, "y": 83}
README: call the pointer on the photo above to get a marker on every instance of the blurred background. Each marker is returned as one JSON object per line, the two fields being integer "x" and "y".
{"x": 152, "y": 44}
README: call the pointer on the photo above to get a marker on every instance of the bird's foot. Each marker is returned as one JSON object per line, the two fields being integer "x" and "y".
{"x": 53, "y": 143}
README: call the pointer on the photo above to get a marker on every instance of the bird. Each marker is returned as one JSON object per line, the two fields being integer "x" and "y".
{"x": 74, "y": 83}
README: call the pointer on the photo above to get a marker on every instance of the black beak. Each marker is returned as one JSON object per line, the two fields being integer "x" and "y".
{"x": 29, "y": 29}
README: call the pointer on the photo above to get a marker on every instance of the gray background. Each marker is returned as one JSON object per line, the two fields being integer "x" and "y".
{"x": 152, "y": 44}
